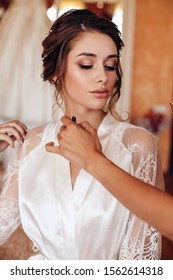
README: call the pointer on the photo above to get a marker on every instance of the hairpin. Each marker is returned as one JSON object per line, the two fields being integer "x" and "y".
{"x": 83, "y": 27}
{"x": 43, "y": 58}
{"x": 50, "y": 31}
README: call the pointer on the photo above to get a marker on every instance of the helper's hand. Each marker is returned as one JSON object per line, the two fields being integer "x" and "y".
{"x": 11, "y": 132}
{"x": 78, "y": 143}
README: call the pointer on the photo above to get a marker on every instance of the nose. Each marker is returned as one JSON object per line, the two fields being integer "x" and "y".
{"x": 101, "y": 75}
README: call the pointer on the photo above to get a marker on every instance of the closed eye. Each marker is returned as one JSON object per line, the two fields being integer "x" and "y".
{"x": 107, "y": 67}
{"x": 110, "y": 68}
{"x": 83, "y": 66}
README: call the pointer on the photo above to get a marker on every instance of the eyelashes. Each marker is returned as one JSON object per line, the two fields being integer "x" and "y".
{"x": 83, "y": 66}
{"x": 110, "y": 68}
{"x": 107, "y": 67}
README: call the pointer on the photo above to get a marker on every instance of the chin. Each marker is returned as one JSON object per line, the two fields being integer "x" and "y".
{"x": 98, "y": 104}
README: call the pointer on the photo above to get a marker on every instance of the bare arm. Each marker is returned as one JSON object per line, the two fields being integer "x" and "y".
{"x": 80, "y": 145}
{"x": 150, "y": 204}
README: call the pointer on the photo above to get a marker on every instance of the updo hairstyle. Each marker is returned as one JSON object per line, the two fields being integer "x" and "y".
{"x": 58, "y": 43}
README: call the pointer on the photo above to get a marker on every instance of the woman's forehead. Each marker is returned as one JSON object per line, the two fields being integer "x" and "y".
{"x": 93, "y": 42}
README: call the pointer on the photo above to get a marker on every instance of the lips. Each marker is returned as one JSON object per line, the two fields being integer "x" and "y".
{"x": 100, "y": 92}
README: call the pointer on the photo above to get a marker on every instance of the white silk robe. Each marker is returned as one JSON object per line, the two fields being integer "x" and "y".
{"x": 85, "y": 222}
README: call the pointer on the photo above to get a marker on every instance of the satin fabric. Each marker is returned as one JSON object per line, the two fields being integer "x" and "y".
{"x": 84, "y": 223}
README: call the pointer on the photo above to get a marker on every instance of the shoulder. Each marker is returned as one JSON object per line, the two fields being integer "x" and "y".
{"x": 38, "y": 136}
{"x": 35, "y": 133}
{"x": 129, "y": 134}
{"x": 127, "y": 131}
{"x": 140, "y": 141}
{"x": 139, "y": 133}
{"x": 138, "y": 137}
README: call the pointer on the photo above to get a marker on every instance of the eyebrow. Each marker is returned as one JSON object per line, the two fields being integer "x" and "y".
{"x": 94, "y": 55}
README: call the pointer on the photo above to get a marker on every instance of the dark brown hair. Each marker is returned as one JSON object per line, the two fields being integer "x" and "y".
{"x": 58, "y": 43}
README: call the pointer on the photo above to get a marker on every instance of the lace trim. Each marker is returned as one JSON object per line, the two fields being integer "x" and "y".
{"x": 9, "y": 217}
{"x": 146, "y": 170}
{"x": 147, "y": 248}
{"x": 152, "y": 250}
{"x": 133, "y": 148}
{"x": 40, "y": 135}
{"x": 48, "y": 133}
{"x": 12, "y": 170}
{"x": 27, "y": 146}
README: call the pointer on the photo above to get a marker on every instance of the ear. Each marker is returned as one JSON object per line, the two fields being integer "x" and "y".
{"x": 54, "y": 79}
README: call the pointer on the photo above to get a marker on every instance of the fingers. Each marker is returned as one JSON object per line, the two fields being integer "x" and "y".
{"x": 57, "y": 149}
{"x": 19, "y": 125}
{"x": 52, "y": 149}
{"x": 66, "y": 121}
{"x": 68, "y": 126}
{"x": 5, "y": 140}
{"x": 15, "y": 128}
{"x": 87, "y": 127}
{"x": 63, "y": 127}
{"x": 75, "y": 141}
{"x": 10, "y": 132}
{"x": 49, "y": 146}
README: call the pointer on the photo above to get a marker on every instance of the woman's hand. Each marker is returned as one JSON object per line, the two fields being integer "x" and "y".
{"x": 11, "y": 132}
{"x": 78, "y": 143}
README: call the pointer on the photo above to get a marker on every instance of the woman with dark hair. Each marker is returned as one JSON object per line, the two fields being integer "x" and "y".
{"x": 64, "y": 210}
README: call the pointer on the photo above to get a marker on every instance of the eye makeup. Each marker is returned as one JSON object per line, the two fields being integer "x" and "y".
{"x": 87, "y": 61}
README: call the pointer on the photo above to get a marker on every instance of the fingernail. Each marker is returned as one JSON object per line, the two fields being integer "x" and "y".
{"x": 73, "y": 119}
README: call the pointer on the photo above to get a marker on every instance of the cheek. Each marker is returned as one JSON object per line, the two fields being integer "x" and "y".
{"x": 75, "y": 80}
{"x": 112, "y": 80}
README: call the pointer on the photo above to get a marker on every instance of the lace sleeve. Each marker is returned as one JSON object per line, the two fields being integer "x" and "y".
{"x": 9, "y": 211}
{"x": 9, "y": 208}
{"x": 141, "y": 240}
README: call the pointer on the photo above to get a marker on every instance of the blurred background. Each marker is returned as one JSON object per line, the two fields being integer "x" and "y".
{"x": 147, "y": 61}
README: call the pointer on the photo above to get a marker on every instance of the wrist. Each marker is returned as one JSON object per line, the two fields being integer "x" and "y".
{"x": 95, "y": 163}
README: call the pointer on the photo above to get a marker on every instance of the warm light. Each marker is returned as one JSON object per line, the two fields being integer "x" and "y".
{"x": 52, "y": 13}
{"x": 100, "y": 5}
{"x": 65, "y": 9}
{"x": 118, "y": 18}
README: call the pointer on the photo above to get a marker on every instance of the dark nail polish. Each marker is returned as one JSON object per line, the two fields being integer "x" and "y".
{"x": 73, "y": 119}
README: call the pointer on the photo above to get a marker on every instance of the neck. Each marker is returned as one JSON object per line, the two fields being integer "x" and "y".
{"x": 94, "y": 117}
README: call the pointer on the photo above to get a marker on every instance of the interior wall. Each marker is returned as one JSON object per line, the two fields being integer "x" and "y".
{"x": 152, "y": 78}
